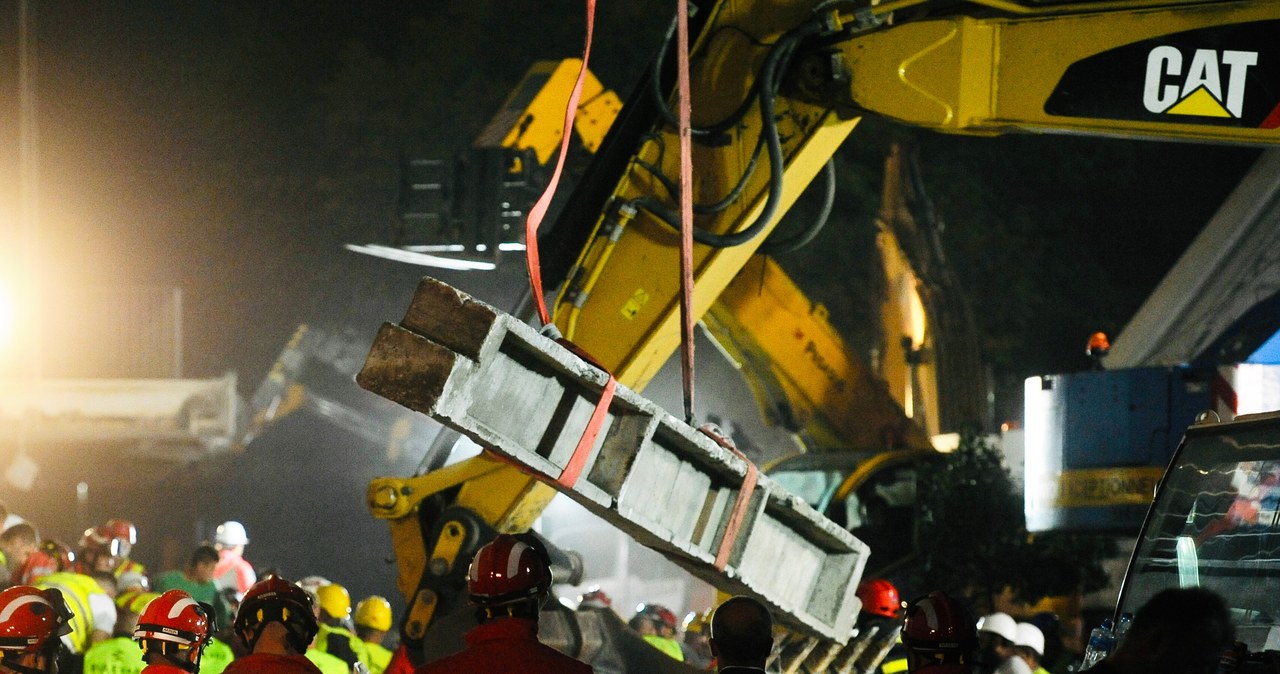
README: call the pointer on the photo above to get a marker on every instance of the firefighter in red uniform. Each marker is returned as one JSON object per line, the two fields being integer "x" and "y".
{"x": 941, "y": 636}
{"x": 173, "y": 630}
{"x": 32, "y": 622}
{"x": 277, "y": 622}
{"x": 509, "y": 580}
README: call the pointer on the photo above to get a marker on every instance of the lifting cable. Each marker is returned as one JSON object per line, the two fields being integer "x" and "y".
{"x": 686, "y": 207}
{"x": 573, "y": 468}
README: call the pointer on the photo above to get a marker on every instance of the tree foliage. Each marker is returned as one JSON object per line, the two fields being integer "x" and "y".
{"x": 974, "y": 541}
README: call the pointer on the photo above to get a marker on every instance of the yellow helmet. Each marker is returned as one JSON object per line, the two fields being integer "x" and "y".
{"x": 374, "y": 612}
{"x": 334, "y": 600}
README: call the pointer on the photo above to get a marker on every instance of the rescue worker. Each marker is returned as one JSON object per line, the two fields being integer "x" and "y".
{"x": 334, "y": 638}
{"x": 594, "y": 598}
{"x": 91, "y": 604}
{"x": 97, "y": 552}
{"x": 1030, "y": 647}
{"x": 997, "y": 633}
{"x": 23, "y": 555}
{"x": 508, "y": 582}
{"x": 32, "y": 622}
{"x": 697, "y": 650}
{"x": 328, "y": 663}
{"x": 881, "y": 608}
{"x": 173, "y": 631}
{"x": 63, "y": 557}
{"x": 120, "y": 654}
{"x": 125, "y": 536}
{"x": 741, "y": 635}
{"x": 196, "y": 579}
{"x": 233, "y": 570}
{"x": 939, "y": 636}
{"x": 276, "y": 621}
{"x": 657, "y": 625}
{"x": 373, "y": 621}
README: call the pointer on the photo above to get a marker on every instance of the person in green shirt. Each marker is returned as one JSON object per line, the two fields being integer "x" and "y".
{"x": 197, "y": 580}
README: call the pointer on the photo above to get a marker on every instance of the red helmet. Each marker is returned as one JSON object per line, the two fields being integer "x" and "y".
{"x": 176, "y": 626}
{"x": 508, "y": 570}
{"x": 97, "y": 544}
{"x": 31, "y": 621}
{"x": 594, "y": 598}
{"x": 659, "y": 615}
{"x": 274, "y": 599}
{"x": 123, "y": 531}
{"x": 940, "y": 629}
{"x": 879, "y": 597}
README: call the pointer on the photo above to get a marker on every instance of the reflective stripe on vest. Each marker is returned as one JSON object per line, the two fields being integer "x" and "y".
{"x": 76, "y": 589}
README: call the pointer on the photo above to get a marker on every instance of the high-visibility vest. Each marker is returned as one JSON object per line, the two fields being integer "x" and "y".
{"x": 76, "y": 588}
{"x": 328, "y": 637}
{"x": 120, "y": 655}
{"x": 378, "y": 657}
{"x": 328, "y": 664}
{"x": 669, "y": 646}
{"x": 217, "y": 655}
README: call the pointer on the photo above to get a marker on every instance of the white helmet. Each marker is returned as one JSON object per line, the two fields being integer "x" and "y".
{"x": 231, "y": 533}
{"x": 1001, "y": 624}
{"x": 1030, "y": 636}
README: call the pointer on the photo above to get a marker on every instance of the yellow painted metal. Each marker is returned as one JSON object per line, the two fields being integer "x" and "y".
{"x": 876, "y": 463}
{"x": 1103, "y": 487}
{"x": 533, "y": 115}
{"x": 992, "y": 75}
{"x": 629, "y": 320}
{"x": 798, "y": 365}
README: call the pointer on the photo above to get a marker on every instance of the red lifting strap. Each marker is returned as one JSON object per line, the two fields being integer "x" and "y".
{"x": 740, "y": 504}
{"x": 573, "y": 468}
{"x": 539, "y": 209}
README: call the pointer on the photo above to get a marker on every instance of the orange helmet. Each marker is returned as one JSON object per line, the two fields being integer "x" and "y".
{"x": 879, "y": 597}
{"x": 274, "y": 599}
{"x": 940, "y": 629}
{"x": 176, "y": 626}
{"x": 31, "y": 622}
{"x": 508, "y": 570}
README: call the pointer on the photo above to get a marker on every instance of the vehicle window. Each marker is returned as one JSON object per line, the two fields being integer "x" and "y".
{"x": 816, "y": 487}
{"x": 1216, "y": 524}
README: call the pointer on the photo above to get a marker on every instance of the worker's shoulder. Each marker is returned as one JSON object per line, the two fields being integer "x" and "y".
{"x": 274, "y": 664}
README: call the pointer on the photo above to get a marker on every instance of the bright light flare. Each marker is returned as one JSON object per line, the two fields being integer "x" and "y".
{"x": 423, "y": 259}
{"x": 8, "y": 315}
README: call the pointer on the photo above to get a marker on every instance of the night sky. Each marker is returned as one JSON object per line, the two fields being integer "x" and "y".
{"x": 231, "y": 148}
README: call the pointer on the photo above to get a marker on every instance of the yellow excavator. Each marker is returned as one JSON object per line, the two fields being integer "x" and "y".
{"x": 776, "y": 88}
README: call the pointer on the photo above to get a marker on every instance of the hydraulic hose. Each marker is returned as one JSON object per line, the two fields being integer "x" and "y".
{"x": 804, "y": 238}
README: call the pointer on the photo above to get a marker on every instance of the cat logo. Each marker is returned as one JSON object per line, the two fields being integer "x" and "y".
{"x": 1213, "y": 84}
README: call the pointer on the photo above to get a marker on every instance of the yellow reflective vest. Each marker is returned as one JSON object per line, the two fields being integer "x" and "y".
{"x": 379, "y": 657}
{"x": 76, "y": 588}
{"x": 120, "y": 655}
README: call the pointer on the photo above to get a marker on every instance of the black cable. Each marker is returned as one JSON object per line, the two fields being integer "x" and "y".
{"x": 673, "y": 190}
{"x": 669, "y": 117}
{"x": 771, "y": 74}
{"x": 804, "y": 238}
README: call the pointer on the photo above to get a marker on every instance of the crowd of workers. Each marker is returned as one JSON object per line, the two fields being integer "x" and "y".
{"x": 93, "y": 610}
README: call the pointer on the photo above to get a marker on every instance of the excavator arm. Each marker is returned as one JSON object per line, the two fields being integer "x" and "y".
{"x": 777, "y": 86}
